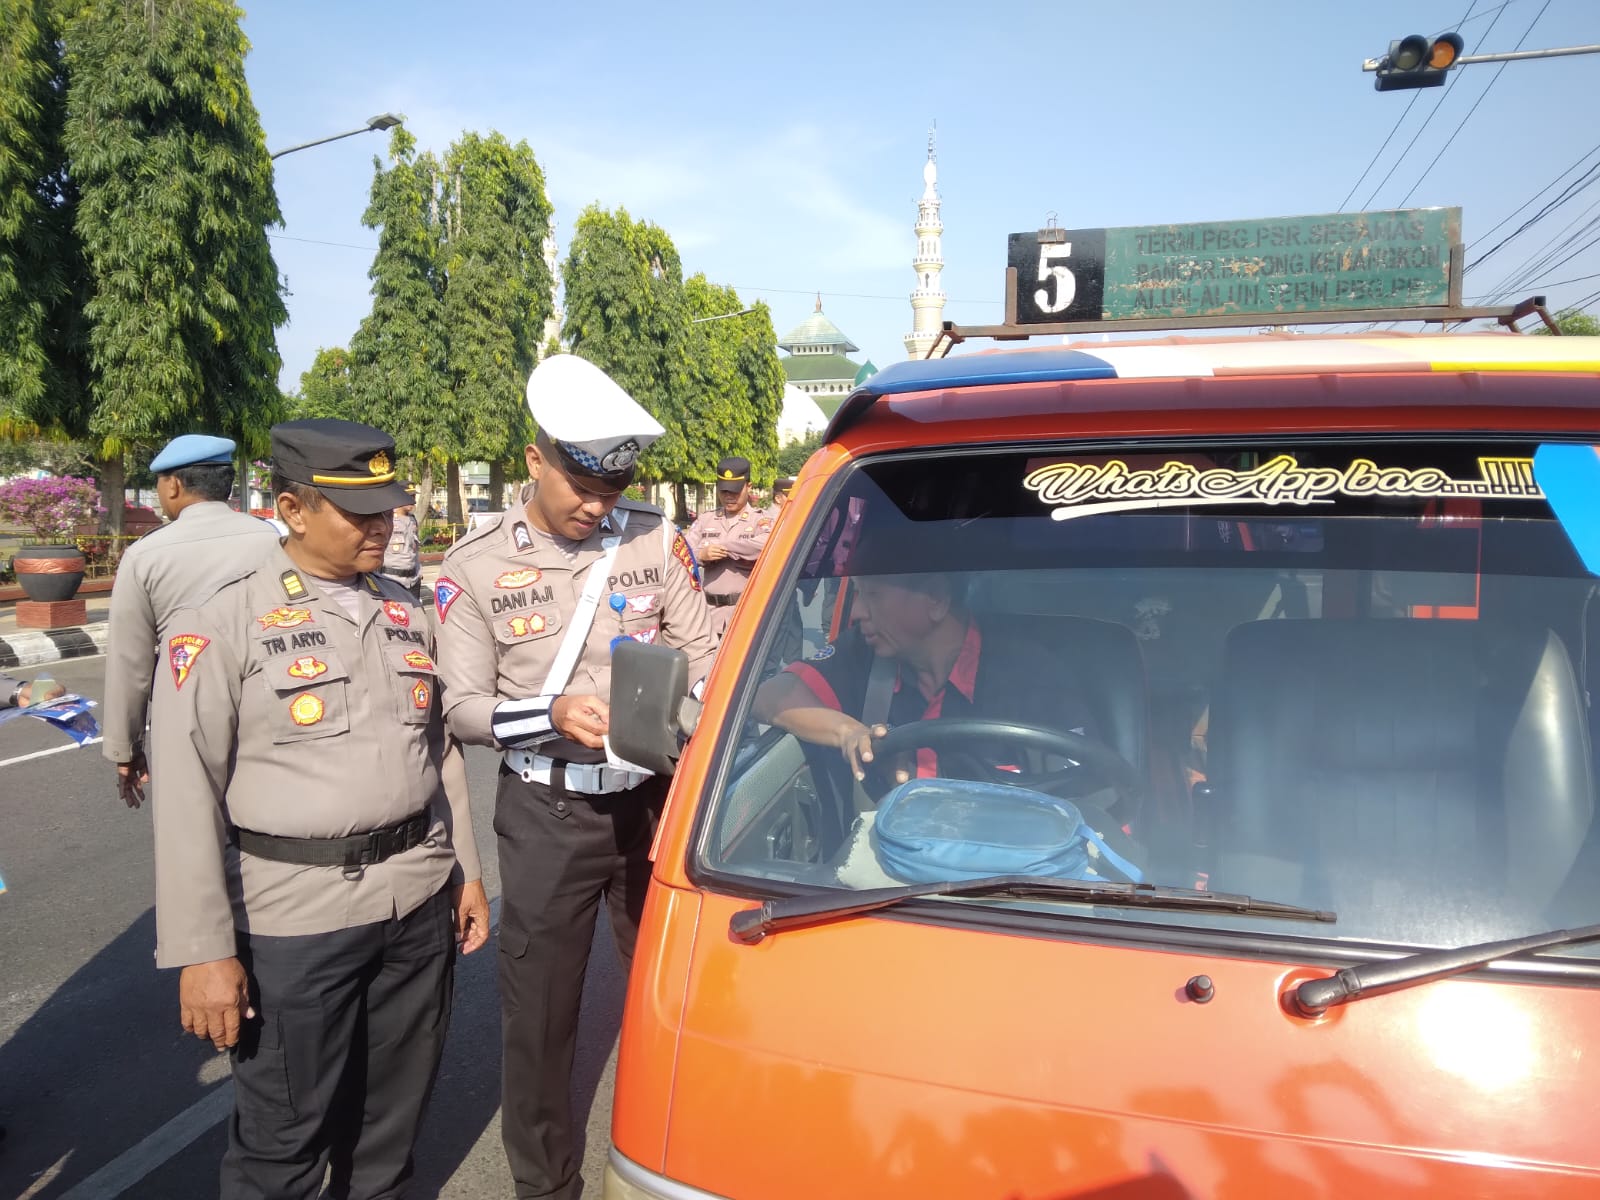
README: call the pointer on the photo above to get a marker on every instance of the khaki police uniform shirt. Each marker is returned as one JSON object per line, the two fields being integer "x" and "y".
{"x": 275, "y": 711}
{"x": 742, "y": 535}
{"x": 178, "y": 564}
{"x": 506, "y": 592}
{"x": 403, "y": 558}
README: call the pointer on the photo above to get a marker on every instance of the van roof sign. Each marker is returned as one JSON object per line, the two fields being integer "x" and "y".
{"x": 1254, "y": 270}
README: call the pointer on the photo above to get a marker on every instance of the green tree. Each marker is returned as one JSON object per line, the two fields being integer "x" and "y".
{"x": 1574, "y": 323}
{"x": 39, "y": 380}
{"x": 496, "y": 293}
{"x": 793, "y": 455}
{"x": 175, "y": 195}
{"x": 737, "y": 393}
{"x": 325, "y": 389}
{"x": 627, "y": 314}
{"x": 399, "y": 373}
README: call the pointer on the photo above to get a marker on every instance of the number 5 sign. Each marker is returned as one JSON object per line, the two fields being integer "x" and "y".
{"x": 1060, "y": 276}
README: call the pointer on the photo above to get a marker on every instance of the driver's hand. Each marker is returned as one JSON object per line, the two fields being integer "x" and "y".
{"x": 856, "y": 739}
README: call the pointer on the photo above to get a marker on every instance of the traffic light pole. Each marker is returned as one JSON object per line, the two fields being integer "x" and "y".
{"x": 1372, "y": 64}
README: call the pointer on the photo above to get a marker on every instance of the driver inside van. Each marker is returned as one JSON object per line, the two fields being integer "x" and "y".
{"x": 934, "y": 660}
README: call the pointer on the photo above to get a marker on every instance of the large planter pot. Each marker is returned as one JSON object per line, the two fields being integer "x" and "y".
{"x": 49, "y": 573}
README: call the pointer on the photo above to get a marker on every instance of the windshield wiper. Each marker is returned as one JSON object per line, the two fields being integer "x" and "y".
{"x": 1315, "y": 996}
{"x": 752, "y": 924}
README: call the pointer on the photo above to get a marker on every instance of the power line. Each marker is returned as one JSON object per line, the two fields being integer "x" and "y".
{"x": 1493, "y": 80}
{"x": 1571, "y": 191}
{"x": 1450, "y": 87}
{"x": 1486, "y": 234}
{"x": 1541, "y": 260}
{"x": 1379, "y": 153}
{"x": 1404, "y": 114}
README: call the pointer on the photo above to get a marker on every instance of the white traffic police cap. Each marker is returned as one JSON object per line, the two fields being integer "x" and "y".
{"x": 597, "y": 430}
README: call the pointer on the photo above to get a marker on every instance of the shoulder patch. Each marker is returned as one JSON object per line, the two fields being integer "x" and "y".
{"x": 445, "y": 592}
{"x": 182, "y": 651}
{"x": 682, "y": 552}
{"x": 825, "y": 653}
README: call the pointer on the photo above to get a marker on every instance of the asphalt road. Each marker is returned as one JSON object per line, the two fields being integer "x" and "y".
{"x": 101, "y": 1093}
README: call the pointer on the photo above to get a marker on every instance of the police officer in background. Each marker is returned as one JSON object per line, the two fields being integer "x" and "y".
{"x": 728, "y": 539}
{"x": 529, "y": 607}
{"x": 402, "y": 560}
{"x": 204, "y": 545}
{"x": 315, "y": 863}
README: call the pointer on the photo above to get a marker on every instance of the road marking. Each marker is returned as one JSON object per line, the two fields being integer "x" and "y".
{"x": 6, "y": 762}
{"x": 46, "y": 1177}
{"x": 132, "y": 1165}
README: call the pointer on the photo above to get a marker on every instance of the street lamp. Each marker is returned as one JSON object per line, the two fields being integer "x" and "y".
{"x": 743, "y": 312}
{"x": 374, "y": 125}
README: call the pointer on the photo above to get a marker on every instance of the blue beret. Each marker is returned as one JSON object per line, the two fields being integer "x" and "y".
{"x": 191, "y": 450}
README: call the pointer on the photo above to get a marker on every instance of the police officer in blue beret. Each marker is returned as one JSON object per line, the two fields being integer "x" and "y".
{"x": 204, "y": 544}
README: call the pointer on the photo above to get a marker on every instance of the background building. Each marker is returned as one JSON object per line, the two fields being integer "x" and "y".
{"x": 927, "y": 298}
{"x": 817, "y": 362}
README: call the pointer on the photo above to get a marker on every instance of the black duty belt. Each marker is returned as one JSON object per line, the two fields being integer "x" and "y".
{"x": 722, "y": 601}
{"x": 357, "y": 850}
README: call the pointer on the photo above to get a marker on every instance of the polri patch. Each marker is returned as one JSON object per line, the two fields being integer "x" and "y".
{"x": 307, "y": 667}
{"x": 397, "y": 613}
{"x": 647, "y": 636}
{"x": 685, "y": 555}
{"x": 305, "y": 709}
{"x": 511, "y": 580}
{"x": 182, "y": 650}
{"x": 445, "y": 592}
{"x": 285, "y": 618}
{"x": 421, "y": 694}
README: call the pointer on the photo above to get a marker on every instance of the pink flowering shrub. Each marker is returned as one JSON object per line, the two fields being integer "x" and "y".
{"x": 53, "y": 508}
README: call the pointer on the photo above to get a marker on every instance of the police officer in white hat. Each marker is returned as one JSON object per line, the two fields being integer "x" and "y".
{"x": 204, "y": 544}
{"x": 529, "y": 606}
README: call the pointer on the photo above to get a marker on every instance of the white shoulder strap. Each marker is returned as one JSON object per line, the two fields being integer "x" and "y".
{"x": 583, "y": 616}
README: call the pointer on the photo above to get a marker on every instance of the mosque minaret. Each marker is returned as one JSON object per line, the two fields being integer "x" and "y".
{"x": 927, "y": 298}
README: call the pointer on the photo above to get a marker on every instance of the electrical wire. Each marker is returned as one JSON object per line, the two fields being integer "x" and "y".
{"x": 1406, "y": 112}
{"x": 1492, "y": 81}
{"x": 1574, "y": 189}
{"x": 1488, "y": 233}
{"x": 1449, "y": 87}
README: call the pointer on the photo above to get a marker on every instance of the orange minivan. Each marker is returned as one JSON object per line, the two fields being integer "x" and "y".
{"x": 1184, "y": 787}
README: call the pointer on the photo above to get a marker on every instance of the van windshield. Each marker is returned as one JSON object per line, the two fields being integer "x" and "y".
{"x": 1346, "y": 675}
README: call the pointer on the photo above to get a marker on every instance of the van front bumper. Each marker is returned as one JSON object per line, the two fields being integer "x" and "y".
{"x": 627, "y": 1180}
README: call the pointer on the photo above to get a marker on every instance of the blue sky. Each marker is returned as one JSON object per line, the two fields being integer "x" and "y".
{"x": 781, "y": 145}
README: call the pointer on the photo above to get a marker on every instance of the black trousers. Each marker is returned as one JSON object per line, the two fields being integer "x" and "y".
{"x": 337, "y": 1066}
{"x": 559, "y": 854}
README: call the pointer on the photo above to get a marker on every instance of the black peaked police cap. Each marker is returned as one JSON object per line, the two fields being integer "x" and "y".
{"x": 349, "y": 463}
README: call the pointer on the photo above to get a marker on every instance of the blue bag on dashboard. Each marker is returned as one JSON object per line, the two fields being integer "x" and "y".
{"x": 931, "y": 830}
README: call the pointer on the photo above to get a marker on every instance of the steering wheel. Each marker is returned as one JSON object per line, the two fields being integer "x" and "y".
{"x": 1111, "y": 768}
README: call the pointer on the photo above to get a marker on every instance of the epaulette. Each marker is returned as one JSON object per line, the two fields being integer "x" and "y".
{"x": 640, "y": 506}
{"x": 475, "y": 536}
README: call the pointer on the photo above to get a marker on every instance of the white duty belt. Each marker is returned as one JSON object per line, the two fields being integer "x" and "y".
{"x": 595, "y": 779}
{"x": 591, "y": 778}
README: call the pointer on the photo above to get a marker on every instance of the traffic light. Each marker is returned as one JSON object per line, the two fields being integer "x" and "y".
{"x": 1416, "y": 62}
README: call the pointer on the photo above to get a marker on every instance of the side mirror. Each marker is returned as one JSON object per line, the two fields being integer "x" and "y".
{"x": 651, "y": 712}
